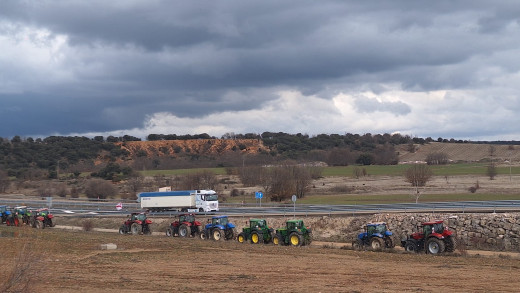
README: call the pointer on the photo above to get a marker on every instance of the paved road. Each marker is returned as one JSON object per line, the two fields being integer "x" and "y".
{"x": 89, "y": 208}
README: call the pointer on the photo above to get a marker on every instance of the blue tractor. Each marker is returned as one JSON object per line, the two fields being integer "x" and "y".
{"x": 376, "y": 235}
{"x": 219, "y": 228}
{"x": 5, "y": 213}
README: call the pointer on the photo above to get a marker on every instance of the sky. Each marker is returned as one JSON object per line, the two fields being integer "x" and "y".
{"x": 447, "y": 69}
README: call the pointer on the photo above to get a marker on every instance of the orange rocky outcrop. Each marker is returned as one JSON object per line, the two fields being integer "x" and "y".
{"x": 173, "y": 148}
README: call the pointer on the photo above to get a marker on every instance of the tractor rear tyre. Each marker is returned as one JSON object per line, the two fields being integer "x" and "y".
{"x": 122, "y": 231}
{"x": 17, "y": 222}
{"x": 357, "y": 245}
{"x": 295, "y": 239}
{"x": 147, "y": 230}
{"x": 435, "y": 246}
{"x": 376, "y": 243}
{"x": 410, "y": 246}
{"x": 169, "y": 232}
{"x": 184, "y": 230}
{"x": 231, "y": 234}
{"x": 257, "y": 237}
{"x": 450, "y": 244}
{"x": 389, "y": 242}
{"x": 277, "y": 239}
{"x": 39, "y": 225}
{"x": 218, "y": 234}
{"x": 134, "y": 229}
{"x": 241, "y": 237}
{"x": 8, "y": 222}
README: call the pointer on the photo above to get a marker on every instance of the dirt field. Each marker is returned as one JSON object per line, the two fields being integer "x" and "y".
{"x": 57, "y": 260}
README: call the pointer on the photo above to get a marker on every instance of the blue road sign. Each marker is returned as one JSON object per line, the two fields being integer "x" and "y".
{"x": 259, "y": 194}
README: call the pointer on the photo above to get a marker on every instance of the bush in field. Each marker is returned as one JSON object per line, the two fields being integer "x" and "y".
{"x": 88, "y": 225}
{"x": 99, "y": 188}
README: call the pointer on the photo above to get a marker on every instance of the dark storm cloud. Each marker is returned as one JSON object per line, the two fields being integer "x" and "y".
{"x": 103, "y": 66}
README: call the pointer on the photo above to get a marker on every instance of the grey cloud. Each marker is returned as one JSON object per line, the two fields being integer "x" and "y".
{"x": 369, "y": 105}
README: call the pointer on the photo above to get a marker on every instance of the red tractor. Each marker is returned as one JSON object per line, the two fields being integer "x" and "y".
{"x": 435, "y": 239}
{"x": 42, "y": 218}
{"x": 136, "y": 223}
{"x": 185, "y": 226}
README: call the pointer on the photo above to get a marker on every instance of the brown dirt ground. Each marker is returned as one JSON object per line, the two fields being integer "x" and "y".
{"x": 58, "y": 260}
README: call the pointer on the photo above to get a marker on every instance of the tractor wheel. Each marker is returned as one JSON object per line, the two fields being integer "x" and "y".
{"x": 256, "y": 238}
{"x": 277, "y": 239}
{"x": 134, "y": 228}
{"x": 376, "y": 243}
{"x": 218, "y": 234}
{"x": 147, "y": 230}
{"x": 357, "y": 245}
{"x": 450, "y": 244}
{"x": 295, "y": 239}
{"x": 51, "y": 223}
{"x": 203, "y": 235}
{"x": 169, "y": 232}
{"x": 410, "y": 246}
{"x": 8, "y": 222}
{"x": 195, "y": 231}
{"x": 39, "y": 225}
{"x": 184, "y": 230}
{"x": 231, "y": 234}
{"x": 435, "y": 246}
{"x": 122, "y": 230}
{"x": 241, "y": 238}
{"x": 17, "y": 222}
{"x": 389, "y": 242}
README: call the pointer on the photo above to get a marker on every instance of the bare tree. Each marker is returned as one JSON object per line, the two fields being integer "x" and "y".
{"x": 418, "y": 175}
{"x": 437, "y": 158}
{"x": 491, "y": 171}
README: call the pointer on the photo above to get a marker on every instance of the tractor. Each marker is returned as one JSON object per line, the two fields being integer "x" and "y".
{"x": 295, "y": 233}
{"x": 435, "y": 238}
{"x": 42, "y": 218}
{"x": 257, "y": 232}
{"x": 185, "y": 226}
{"x": 22, "y": 214}
{"x": 135, "y": 224}
{"x": 219, "y": 228}
{"x": 376, "y": 235}
{"x": 4, "y": 213}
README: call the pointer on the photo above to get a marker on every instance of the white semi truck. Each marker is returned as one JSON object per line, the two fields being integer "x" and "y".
{"x": 182, "y": 200}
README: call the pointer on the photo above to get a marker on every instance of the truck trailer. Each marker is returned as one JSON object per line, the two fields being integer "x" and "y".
{"x": 181, "y": 200}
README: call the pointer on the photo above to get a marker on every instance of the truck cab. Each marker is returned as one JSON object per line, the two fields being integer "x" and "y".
{"x": 206, "y": 200}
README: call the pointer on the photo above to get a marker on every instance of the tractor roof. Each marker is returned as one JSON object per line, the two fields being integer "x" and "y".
{"x": 256, "y": 220}
{"x": 376, "y": 224}
{"x": 432, "y": 222}
{"x": 293, "y": 221}
{"x": 219, "y": 217}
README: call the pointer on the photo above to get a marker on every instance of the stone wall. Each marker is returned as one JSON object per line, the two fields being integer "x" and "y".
{"x": 499, "y": 232}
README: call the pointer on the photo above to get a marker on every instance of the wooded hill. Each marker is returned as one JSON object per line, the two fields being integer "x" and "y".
{"x": 46, "y": 158}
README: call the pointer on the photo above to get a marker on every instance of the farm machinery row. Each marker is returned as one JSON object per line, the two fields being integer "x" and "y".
{"x": 220, "y": 228}
{"x": 21, "y": 215}
{"x": 434, "y": 238}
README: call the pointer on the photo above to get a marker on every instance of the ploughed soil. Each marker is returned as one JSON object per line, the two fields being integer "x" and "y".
{"x": 59, "y": 260}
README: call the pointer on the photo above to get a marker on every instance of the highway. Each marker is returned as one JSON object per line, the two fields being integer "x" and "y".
{"x": 108, "y": 207}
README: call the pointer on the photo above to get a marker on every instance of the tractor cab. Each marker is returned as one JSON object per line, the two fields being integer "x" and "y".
{"x": 257, "y": 223}
{"x": 187, "y": 218}
{"x": 376, "y": 228}
{"x": 434, "y": 227}
{"x": 295, "y": 225}
{"x": 219, "y": 221}
{"x": 4, "y": 212}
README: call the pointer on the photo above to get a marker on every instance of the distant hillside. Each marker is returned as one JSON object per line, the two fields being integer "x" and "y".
{"x": 208, "y": 147}
{"x": 466, "y": 152}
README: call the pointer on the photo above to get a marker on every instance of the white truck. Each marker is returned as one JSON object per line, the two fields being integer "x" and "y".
{"x": 182, "y": 200}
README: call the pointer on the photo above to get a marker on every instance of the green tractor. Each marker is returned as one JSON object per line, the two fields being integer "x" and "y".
{"x": 295, "y": 233}
{"x": 257, "y": 232}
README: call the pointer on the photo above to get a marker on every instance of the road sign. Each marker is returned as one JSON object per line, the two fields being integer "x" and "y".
{"x": 259, "y": 194}
{"x": 119, "y": 206}
{"x": 293, "y": 198}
